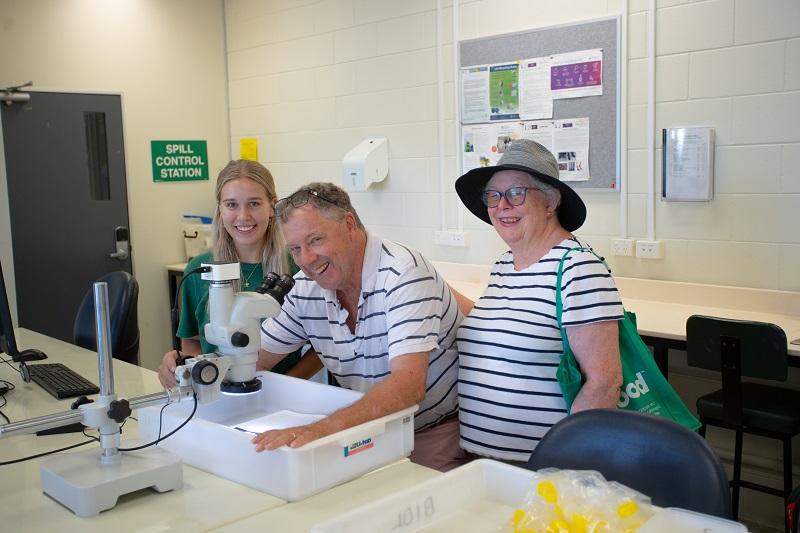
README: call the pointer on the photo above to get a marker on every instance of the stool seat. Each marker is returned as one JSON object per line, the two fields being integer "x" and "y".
{"x": 766, "y": 407}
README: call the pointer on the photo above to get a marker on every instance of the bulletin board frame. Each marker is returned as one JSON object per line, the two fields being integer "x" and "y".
{"x": 603, "y": 111}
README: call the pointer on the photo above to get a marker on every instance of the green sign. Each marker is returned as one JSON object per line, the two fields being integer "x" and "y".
{"x": 179, "y": 160}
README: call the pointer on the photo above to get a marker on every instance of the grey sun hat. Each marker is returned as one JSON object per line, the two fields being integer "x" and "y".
{"x": 533, "y": 158}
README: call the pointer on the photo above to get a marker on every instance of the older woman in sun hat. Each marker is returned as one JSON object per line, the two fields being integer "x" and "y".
{"x": 510, "y": 343}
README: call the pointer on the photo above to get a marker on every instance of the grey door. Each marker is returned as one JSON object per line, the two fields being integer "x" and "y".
{"x": 67, "y": 193}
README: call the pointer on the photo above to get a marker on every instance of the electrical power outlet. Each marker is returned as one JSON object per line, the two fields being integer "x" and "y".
{"x": 623, "y": 247}
{"x": 452, "y": 238}
{"x": 649, "y": 249}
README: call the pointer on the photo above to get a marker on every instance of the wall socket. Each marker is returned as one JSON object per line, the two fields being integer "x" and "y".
{"x": 452, "y": 238}
{"x": 650, "y": 249}
{"x": 623, "y": 247}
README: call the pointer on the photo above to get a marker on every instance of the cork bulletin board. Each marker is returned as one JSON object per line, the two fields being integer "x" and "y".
{"x": 602, "y": 110}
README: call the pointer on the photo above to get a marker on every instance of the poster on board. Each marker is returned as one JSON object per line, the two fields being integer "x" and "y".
{"x": 577, "y": 74}
{"x": 567, "y": 140}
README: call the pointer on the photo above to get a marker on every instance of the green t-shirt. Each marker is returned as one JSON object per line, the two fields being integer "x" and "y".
{"x": 194, "y": 304}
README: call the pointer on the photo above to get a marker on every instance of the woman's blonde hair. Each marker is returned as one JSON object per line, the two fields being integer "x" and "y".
{"x": 273, "y": 256}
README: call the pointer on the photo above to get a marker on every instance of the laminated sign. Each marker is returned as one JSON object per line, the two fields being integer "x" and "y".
{"x": 179, "y": 160}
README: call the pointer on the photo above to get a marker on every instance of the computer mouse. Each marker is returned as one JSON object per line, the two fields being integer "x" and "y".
{"x": 31, "y": 354}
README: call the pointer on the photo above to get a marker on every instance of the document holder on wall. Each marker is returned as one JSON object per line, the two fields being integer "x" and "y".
{"x": 688, "y": 164}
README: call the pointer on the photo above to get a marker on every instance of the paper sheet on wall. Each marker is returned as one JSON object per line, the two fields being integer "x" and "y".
{"x": 536, "y": 98}
{"x": 571, "y": 142}
{"x": 503, "y": 135}
{"x": 483, "y": 144}
{"x": 248, "y": 149}
{"x": 540, "y": 131}
{"x": 477, "y": 148}
{"x": 504, "y": 91}
{"x": 688, "y": 164}
{"x": 577, "y": 74}
{"x": 475, "y": 94}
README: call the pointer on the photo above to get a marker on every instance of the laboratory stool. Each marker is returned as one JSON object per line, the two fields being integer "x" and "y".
{"x": 737, "y": 349}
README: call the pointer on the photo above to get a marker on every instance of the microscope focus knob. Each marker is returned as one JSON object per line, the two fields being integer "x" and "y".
{"x": 119, "y": 410}
{"x": 240, "y": 340}
{"x": 205, "y": 372}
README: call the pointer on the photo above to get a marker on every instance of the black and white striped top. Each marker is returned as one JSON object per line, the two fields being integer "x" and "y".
{"x": 509, "y": 348}
{"x": 405, "y": 307}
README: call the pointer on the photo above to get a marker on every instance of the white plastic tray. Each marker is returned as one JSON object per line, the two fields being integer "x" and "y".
{"x": 481, "y": 497}
{"x": 670, "y": 520}
{"x": 210, "y": 442}
{"x": 478, "y": 497}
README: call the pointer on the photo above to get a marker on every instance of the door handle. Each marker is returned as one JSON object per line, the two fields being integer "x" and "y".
{"x": 123, "y": 244}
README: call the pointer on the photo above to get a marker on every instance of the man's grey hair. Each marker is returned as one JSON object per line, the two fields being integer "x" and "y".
{"x": 331, "y": 201}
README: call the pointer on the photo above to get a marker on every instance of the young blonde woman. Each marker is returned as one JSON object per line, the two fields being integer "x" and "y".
{"x": 244, "y": 230}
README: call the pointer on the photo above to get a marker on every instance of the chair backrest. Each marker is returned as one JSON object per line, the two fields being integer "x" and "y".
{"x": 762, "y": 346}
{"x": 653, "y": 455}
{"x": 123, "y": 296}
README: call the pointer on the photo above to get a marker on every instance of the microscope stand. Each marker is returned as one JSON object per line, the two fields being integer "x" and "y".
{"x": 86, "y": 486}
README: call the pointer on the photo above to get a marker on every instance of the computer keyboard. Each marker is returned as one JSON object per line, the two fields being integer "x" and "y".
{"x": 61, "y": 381}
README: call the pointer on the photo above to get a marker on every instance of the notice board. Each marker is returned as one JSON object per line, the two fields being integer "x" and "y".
{"x": 603, "y": 111}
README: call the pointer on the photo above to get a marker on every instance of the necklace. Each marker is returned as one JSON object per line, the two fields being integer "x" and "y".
{"x": 250, "y": 275}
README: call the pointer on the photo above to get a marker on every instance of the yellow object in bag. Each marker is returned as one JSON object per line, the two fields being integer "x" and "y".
{"x": 579, "y": 501}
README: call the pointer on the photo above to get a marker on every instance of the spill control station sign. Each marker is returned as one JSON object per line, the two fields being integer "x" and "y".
{"x": 179, "y": 160}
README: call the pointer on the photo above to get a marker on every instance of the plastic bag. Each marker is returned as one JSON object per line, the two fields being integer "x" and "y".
{"x": 578, "y": 501}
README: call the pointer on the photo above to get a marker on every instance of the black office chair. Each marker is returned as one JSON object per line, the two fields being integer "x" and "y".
{"x": 739, "y": 348}
{"x": 123, "y": 296}
{"x": 653, "y": 455}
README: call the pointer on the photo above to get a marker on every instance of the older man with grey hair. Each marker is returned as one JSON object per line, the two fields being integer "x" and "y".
{"x": 379, "y": 318}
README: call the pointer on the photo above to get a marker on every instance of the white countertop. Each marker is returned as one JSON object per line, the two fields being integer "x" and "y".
{"x": 662, "y": 307}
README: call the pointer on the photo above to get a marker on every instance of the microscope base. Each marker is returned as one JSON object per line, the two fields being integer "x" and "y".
{"x": 80, "y": 482}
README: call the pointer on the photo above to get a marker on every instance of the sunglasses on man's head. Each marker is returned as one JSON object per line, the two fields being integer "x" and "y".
{"x": 298, "y": 199}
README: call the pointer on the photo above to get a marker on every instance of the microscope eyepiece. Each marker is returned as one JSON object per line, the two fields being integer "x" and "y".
{"x": 275, "y": 286}
{"x": 267, "y": 283}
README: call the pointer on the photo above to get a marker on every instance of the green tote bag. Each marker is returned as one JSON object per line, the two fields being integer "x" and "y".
{"x": 644, "y": 387}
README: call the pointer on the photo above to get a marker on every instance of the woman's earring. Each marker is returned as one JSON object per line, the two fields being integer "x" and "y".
{"x": 549, "y": 214}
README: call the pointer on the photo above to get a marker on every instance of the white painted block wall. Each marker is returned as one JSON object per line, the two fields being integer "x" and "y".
{"x": 311, "y": 79}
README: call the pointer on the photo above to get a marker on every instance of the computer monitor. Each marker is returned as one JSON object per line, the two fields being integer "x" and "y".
{"x": 8, "y": 343}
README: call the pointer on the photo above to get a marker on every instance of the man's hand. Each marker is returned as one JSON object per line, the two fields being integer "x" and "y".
{"x": 404, "y": 387}
{"x": 293, "y": 437}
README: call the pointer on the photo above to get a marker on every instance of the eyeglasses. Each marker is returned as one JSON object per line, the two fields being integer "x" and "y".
{"x": 514, "y": 196}
{"x": 298, "y": 199}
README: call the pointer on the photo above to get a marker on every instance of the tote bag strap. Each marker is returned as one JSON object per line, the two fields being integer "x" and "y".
{"x": 559, "y": 303}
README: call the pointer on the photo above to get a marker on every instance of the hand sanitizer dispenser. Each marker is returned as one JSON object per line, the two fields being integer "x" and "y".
{"x": 366, "y": 163}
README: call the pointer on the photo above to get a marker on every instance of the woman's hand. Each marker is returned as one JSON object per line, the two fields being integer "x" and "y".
{"x": 166, "y": 370}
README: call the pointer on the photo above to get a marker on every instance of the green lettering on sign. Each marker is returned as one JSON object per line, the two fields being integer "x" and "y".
{"x": 179, "y": 160}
